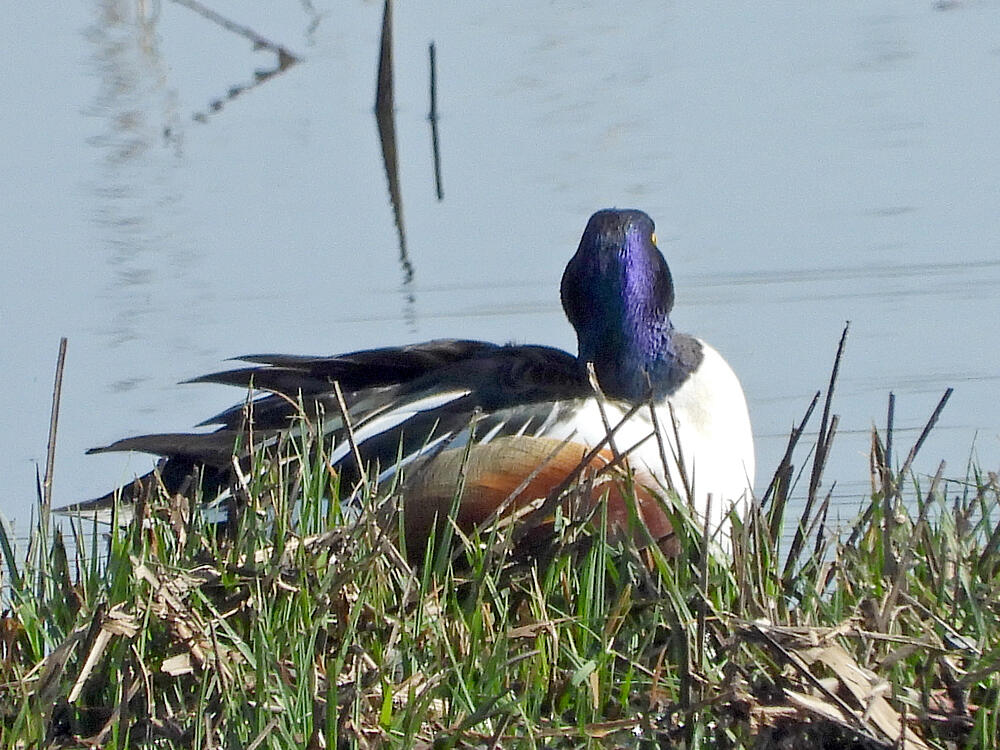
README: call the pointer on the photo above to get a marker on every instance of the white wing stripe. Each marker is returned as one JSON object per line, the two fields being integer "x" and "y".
{"x": 393, "y": 418}
{"x": 492, "y": 432}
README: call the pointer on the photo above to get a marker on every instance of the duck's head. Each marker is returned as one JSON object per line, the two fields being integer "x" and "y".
{"x": 617, "y": 292}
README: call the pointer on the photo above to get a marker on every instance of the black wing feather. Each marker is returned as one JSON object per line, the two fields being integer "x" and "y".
{"x": 354, "y": 371}
{"x": 497, "y": 379}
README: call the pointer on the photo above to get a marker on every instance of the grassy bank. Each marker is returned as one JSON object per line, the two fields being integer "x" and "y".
{"x": 295, "y": 627}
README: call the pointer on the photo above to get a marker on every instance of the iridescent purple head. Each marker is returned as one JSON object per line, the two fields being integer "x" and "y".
{"x": 617, "y": 292}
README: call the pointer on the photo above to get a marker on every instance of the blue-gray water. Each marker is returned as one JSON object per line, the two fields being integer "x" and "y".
{"x": 806, "y": 164}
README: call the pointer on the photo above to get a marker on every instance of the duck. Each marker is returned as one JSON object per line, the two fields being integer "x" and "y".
{"x": 516, "y": 422}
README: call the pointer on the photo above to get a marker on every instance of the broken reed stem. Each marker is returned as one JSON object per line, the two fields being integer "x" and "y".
{"x": 926, "y": 431}
{"x": 827, "y": 429}
{"x": 888, "y": 484}
{"x": 793, "y": 441}
{"x": 777, "y": 490}
{"x": 50, "y": 455}
{"x": 880, "y": 453}
{"x": 825, "y": 436}
{"x": 890, "y": 419}
{"x": 433, "y": 117}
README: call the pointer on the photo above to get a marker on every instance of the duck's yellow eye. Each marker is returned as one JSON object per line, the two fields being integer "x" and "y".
{"x": 653, "y": 237}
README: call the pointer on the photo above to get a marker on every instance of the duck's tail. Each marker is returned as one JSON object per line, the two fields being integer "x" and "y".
{"x": 172, "y": 476}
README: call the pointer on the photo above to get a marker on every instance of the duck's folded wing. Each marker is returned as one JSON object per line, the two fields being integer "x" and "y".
{"x": 363, "y": 375}
{"x": 510, "y": 390}
{"x": 289, "y": 374}
{"x": 411, "y": 399}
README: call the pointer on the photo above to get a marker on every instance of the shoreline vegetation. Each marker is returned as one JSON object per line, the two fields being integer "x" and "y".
{"x": 301, "y": 623}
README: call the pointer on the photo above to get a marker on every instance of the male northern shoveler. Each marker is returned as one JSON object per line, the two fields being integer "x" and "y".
{"x": 531, "y": 412}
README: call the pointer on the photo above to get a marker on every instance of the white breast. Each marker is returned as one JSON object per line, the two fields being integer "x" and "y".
{"x": 716, "y": 439}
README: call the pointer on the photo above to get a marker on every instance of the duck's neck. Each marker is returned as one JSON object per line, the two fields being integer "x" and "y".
{"x": 632, "y": 349}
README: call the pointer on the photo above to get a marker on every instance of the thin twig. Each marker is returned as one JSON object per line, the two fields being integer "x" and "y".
{"x": 661, "y": 446}
{"x": 349, "y": 431}
{"x": 595, "y": 386}
{"x": 681, "y": 465}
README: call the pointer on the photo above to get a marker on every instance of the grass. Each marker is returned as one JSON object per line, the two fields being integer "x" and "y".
{"x": 297, "y": 626}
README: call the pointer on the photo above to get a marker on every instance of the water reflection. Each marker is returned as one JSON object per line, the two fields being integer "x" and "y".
{"x": 385, "y": 120}
{"x": 133, "y": 182}
{"x": 433, "y": 118}
{"x": 315, "y": 18}
{"x": 885, "y": 48}
{"x": 260, "y": 77}
{"x": 284, "y": 58}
